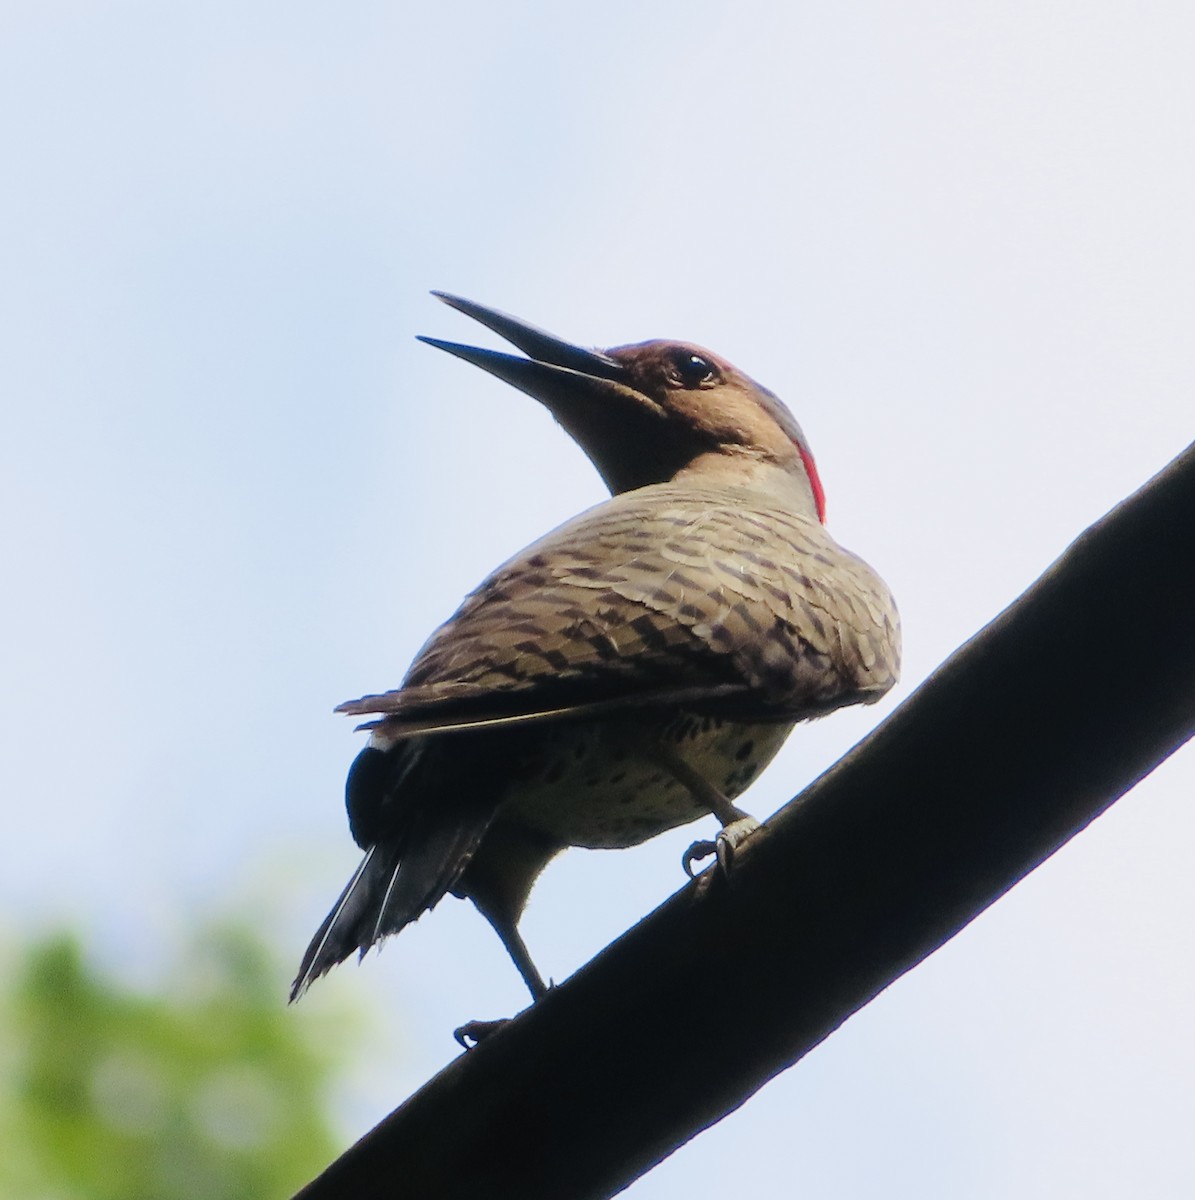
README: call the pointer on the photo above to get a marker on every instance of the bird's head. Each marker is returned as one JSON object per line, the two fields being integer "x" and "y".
{"x": 650, "y": 412}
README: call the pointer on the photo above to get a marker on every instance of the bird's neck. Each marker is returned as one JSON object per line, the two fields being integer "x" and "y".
{"x": 785, "y": 485}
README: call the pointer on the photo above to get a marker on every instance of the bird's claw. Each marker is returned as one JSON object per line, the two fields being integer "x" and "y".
{"x": 724, "y": 846}
{"x": 473, "y": 1033}
{"x": 695, "y": 853}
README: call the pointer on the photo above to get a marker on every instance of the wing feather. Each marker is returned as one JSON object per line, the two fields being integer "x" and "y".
{"x": 660, "y": 597}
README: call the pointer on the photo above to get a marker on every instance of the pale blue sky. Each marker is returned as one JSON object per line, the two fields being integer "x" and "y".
{"x": 957, "y": 239}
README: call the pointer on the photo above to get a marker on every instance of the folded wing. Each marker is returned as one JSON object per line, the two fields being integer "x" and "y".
{"x": 661, "y": 597}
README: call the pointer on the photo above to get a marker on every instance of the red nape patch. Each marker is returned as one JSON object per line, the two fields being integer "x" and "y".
{"x": 815, "y": 481}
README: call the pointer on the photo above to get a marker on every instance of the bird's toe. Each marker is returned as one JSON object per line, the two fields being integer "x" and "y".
{"x": 473, "y": 1033}
{"x": 727, "y": 843}
{"x": 723, "y": 847}
{"x": 695, "y": 853}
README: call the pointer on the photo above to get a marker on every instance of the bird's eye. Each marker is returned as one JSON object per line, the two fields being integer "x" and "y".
{"x": 694, "y": 371}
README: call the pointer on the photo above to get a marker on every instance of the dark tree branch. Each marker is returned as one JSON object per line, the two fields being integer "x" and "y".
{"x": 1021, "y": 739}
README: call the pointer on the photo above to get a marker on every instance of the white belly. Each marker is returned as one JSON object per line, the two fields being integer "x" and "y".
{"x": 596, "y": 787}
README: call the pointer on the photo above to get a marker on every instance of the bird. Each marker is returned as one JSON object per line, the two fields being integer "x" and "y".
{"x": 631, "y": 671}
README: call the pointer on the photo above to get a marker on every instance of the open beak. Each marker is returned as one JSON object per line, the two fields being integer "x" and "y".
{"x": 592, "y": 395}
{"x": 556, "y": 373}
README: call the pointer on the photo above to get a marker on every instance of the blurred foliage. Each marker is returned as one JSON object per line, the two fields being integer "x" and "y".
{"x": 209, "y": 1088}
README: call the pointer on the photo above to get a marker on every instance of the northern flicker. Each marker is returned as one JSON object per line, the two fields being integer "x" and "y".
{"x": 631, "y": 671}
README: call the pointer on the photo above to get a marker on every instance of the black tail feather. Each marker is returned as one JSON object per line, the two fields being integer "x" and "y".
{"x": 390, "y": 890}
{"x": 337, "y": 936}
{"x": 444, "y": 851}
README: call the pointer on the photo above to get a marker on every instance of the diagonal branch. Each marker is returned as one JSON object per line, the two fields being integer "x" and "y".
{"x": 1017, "y": 742}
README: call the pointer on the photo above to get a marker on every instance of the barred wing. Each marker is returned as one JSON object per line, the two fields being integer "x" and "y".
{"x": 662, "y": 597}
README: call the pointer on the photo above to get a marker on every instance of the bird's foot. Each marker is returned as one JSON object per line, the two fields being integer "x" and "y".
{"x": 723, "y": 846}
{"x": 473, "y": 1033}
